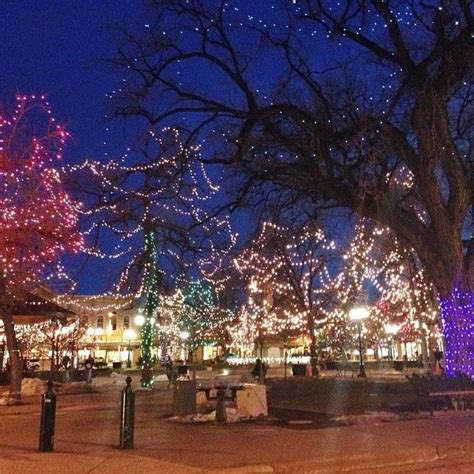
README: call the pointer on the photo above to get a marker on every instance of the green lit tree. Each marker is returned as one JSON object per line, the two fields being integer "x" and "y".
{"x": 150, "y": 293}
{"x": 149, "y": 207}
{"x": 202, "y": 317}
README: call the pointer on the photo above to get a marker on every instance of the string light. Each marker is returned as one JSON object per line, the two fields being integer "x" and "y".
{"x": 458, "y": 329}
{"x": 38, "y": 219}
{"x": 163, "y": 188}
{"x": 280, "y": 267}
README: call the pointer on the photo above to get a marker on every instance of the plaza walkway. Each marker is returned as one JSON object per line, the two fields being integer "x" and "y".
{"x": 87, "y": 430}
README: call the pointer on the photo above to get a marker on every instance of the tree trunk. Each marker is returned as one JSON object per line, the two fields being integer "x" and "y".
{"x": 313, "y": 352}
{"x": 2, "y": 354}
{"x": 313, "y": 347}
{"x": 424, "y": 353}
{"x": 13, "y": 356}
{"x": 12, "y": 345}
{"x": 458, "y": 330}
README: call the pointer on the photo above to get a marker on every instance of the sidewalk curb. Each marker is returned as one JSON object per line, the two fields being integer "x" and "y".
{"x": 251, "y": 468}
{"x": 369, "y": 461}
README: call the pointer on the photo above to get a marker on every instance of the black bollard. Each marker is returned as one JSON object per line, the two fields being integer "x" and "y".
{"x": 221, "y": 415}
{"x": 48, "y": 415}
{"x": 127, "y": 419}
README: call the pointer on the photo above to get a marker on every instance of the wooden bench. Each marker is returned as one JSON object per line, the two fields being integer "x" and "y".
{"x": 456, "y": 391}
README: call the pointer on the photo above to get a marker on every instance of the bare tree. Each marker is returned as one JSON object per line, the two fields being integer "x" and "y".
{"x": 155, "y": 190}
{"x": 369, "y": 107}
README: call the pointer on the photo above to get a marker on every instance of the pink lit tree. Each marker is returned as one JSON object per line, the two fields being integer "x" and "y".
{"x": 37, "y": 218}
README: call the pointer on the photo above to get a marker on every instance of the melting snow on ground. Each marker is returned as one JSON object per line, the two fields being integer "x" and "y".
{"x": 233, "y": 416}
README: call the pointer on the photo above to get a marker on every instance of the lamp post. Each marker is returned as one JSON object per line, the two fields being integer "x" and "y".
{"x": 129, "y": 335}
{"x": 90, "y": 333}
{"x": 391, "y": 330}
{"x": 184, "y": 336}
{"x": 189, "y": 348}
{"x": 139, "y": 322}
{"x": 94, "y": 333}
{"x": 357, "y": 314}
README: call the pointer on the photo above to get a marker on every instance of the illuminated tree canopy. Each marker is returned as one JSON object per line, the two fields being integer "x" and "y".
{"x": 38, "y": 219}
{"x": 361, "y": 104}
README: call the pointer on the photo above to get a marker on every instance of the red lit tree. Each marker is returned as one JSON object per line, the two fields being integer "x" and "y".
{"x": 38, "y": 218}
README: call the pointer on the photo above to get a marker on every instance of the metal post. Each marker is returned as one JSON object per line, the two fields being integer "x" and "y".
{"x": 48, "y": 414}
{"x": 127, "y": 419}
{"x": 129, "y": 362}
{"x": 221, "y": 415}
{"x": 361, "y": 360}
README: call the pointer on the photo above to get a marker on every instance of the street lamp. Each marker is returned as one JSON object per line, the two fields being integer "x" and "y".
{"x": 391, "y": 330}
{"x": 184, "y": 336}
{"x": 94, "y": 333}
{"x": 129, "y": 335}
{"x": 139, "y": 320}
{"x": 357, "y": 314}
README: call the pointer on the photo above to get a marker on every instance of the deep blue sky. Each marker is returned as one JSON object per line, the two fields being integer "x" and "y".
{"x": 52, "y": 47}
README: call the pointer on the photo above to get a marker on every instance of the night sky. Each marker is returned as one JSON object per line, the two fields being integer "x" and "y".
{"x": 53, "y": 47}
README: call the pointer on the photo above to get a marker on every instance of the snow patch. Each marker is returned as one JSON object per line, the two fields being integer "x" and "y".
{"x": 233, "y": 416}
{"x": 33, "y": 387}
{"x": 370, "y": 418}
{"x": 113, "y": 379}
{"x": 75, "y": 387}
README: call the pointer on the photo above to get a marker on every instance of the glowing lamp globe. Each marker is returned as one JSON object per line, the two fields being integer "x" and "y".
{"x": 129, "y": 334}
{"x": 139, "y": 320}
{"x": 392, "y": 329}
{"x": 358, "y": 313}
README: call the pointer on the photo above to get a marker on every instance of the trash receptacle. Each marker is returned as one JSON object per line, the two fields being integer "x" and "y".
{"x": 299, "y": 370}
{"x": 184, "y": 397}
{"x": 116, "y": 365}
{"x": 182, "y": 369}
{"x": 398, "y": 365}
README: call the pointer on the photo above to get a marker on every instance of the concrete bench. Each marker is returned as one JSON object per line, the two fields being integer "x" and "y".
{"x": 456, "y": 390}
